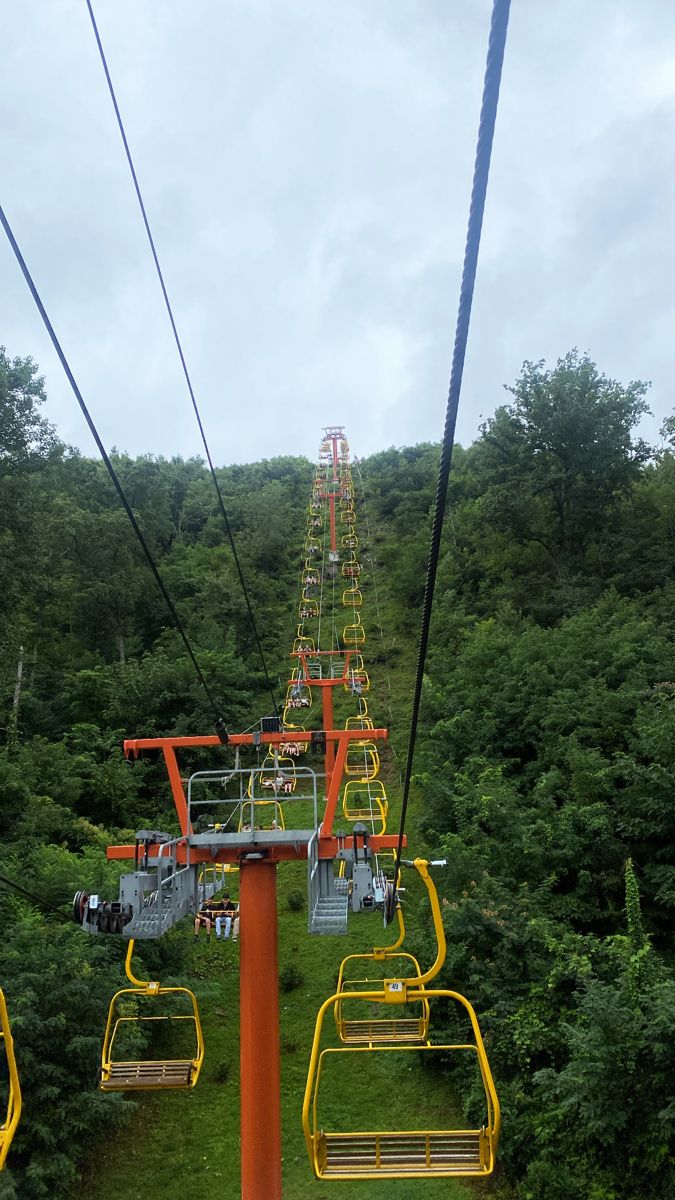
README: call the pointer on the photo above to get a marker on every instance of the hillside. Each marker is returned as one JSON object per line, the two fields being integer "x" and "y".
{"x": 544, "y": 773}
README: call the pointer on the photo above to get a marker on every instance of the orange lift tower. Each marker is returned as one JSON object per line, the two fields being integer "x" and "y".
{"x": 224, "y": 818}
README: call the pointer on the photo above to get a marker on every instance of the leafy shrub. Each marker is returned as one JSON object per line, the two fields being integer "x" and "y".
{"x": 290, "y": 978}
{"x": 295, "y": 900}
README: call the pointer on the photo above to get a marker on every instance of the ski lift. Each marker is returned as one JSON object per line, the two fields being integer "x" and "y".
{"x": 365, "y": 800}
{"x": 391, "y": 1029}
{"x": 261, "y": 814}
{"x": 352, "y": 597}
{"x": 158, "y": 1074}
{"x": 362, "y": 761}
{"x": 408, "y": 1153}
{"x": 351, "y": 569}
{"x": 354, "y": 635}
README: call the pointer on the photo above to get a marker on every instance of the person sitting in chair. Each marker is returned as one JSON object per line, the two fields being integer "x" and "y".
{"x": 227, "y": 910}
{"x": 203, "y": 917}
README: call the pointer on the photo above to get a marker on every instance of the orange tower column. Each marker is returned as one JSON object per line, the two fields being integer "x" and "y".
{"x": 259, "y": 1032}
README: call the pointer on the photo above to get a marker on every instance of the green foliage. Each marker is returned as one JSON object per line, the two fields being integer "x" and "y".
{"x": 545, "y": 768}
{"x": 295, "y": 900}
{"x": 290, "y": 977}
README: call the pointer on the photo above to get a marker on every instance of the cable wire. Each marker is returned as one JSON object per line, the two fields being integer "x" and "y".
{"x": 486, "y": 127}
{"x": 179, "y": 347}
{"x": 109, "y": 466}
{"x": 31, "y": 896}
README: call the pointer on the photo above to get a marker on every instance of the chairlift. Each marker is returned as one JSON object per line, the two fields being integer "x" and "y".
{"x": 362, "y": 761}
{"x": 150, "y": 1074}
{"x": 408, "y": 1153}
{"x": 352, "y": 597}
{"x": 389, "y": 1030}
{"x": 13, "y": 1107}
{"x": 365, "y": 800}
{"x": 266, "y": 815}
{"x": 351, "y": 569}
{"x": 354, "y": 635}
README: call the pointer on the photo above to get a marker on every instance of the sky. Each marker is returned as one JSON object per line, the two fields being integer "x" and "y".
{"x": 306, "y": 167}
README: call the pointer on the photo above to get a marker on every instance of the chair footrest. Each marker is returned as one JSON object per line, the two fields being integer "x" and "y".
{"x": 173, "y": 1073}
{"x": 402, "y": 1029}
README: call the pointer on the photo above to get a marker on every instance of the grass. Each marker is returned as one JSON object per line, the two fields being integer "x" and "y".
{"x": 180, "y": 1143}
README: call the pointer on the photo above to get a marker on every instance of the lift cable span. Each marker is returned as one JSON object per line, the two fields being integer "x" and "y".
{"x": 486, "y": 128}
{"x": 179, "y": 347}
{"x": 108, "y": 464}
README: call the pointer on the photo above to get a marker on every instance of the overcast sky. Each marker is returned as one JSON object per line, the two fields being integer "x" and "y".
{"x": 306, "y": 168}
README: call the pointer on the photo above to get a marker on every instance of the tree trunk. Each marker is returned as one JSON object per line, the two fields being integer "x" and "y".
{"x": 13, "y": 723}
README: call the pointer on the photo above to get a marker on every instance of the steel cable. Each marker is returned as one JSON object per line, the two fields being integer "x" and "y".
{"x": 160, "y": 276}
{"x": 109, "y": 466}
{"x": 486, "y": 128}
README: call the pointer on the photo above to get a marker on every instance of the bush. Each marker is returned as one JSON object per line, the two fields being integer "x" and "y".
{"x": 295, "y": 900}
{"x": 290, "y": 978}
{"x": 223, "y": 1072}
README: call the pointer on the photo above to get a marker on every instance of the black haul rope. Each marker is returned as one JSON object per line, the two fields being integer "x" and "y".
{"x": 221, "y": 502}
{"x": 110, "y": 468}
{"x": 486, "y": 128}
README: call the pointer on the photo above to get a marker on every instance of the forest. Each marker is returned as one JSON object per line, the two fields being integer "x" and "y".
{"x": 545, "y": 764}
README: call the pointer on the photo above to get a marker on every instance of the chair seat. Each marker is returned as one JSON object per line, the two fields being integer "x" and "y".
{"x": 171, "y": 1073}
{"x": 397, "y": 1155}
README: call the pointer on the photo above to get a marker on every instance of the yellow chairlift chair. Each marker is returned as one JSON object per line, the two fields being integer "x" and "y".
{"x": 277, "y": 774}
{"x": 355, "y": 634}
{"x": 153, "y": 1074}
{"x": 402, "y": 1153}
{"x": 352, "y": 597}
{"x": 13, "y": 1108}
{"x": 308, "y": 609}
{"x": 304, "y": 644}
{"x": 362, "y": 761}
{"x": 392, "y": 1029}
{"x": 267, "y": 814}
{"x": 359, "y": 722}
{"x": 351, "y": 569}
{"x": 365, "y": 800}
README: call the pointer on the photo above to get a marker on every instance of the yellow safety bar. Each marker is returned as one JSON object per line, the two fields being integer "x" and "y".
{"x": 13, "y": 1110}
{"x": 148, "y": 1074}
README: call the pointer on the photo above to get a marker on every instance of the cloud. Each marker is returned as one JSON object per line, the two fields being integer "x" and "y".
{"x": 306, "y": 169}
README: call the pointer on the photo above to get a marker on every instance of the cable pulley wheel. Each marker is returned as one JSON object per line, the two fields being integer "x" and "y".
{"x": 389, "y": 904}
